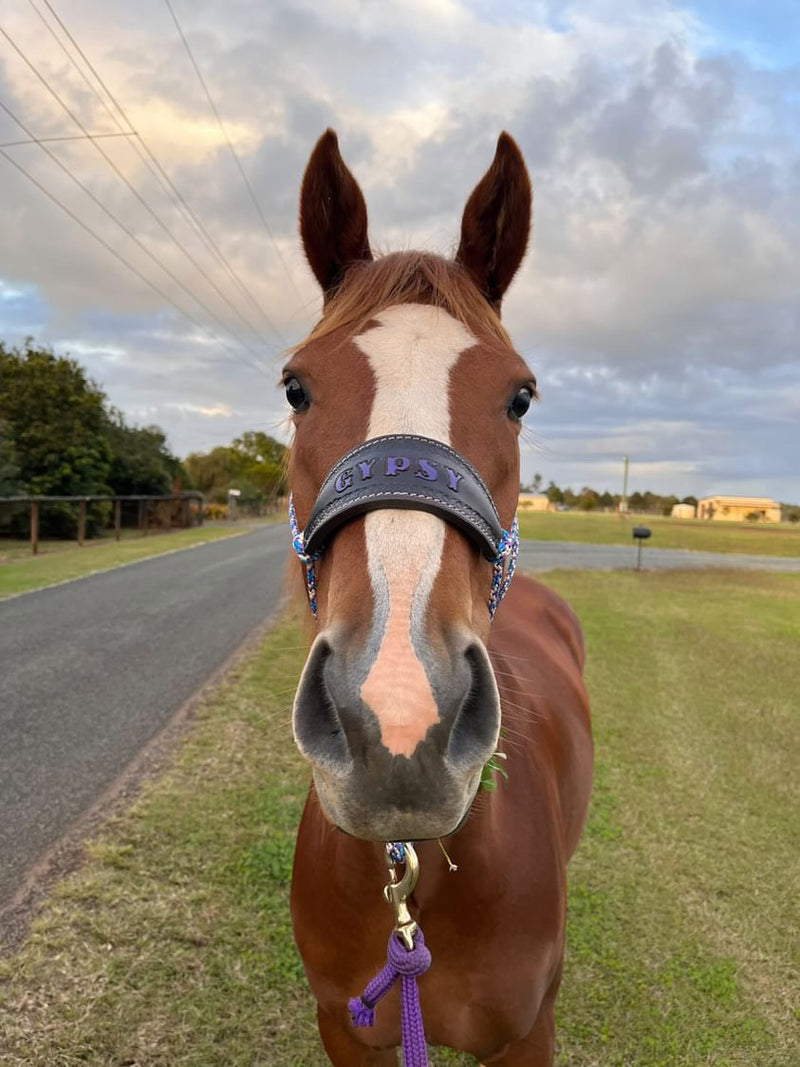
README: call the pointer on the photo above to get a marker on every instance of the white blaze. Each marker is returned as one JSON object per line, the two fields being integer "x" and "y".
{"x": 411, "y": 353}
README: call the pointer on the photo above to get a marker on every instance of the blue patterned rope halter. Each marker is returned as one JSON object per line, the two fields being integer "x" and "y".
{"x": 307, "y": 559}
{"x": 503, "y": 566}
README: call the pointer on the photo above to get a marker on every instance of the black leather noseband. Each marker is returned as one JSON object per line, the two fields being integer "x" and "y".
{"x": 405, "y": 471}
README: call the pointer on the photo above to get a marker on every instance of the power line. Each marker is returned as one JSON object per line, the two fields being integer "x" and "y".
{"x": 74, "y": 137}
{"x": 233, "y": 152}
{"x": 142, "y": 201}
{"x": 117, "y": 255}
{"x": 114, "y": 218}
{"x": 151, "y": 162}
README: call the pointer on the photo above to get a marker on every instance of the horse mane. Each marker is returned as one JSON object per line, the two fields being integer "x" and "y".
{"x": 371, "y": 286}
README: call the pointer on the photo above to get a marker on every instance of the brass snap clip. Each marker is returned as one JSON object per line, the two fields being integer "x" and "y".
{"x": 400, "y": 889}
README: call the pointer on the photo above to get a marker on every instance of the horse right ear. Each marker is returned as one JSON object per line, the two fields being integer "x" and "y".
{"x": 333, "y": 215}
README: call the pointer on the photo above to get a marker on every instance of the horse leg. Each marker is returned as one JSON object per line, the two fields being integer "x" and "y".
{"x": 537, "y": 1048}
{"x": 344, "y": 1050}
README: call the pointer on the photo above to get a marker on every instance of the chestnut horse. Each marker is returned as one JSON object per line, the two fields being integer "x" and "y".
{"x": 408, "y": 690}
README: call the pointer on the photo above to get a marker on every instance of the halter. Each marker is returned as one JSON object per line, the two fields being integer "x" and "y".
{"x": 411, "y": 472}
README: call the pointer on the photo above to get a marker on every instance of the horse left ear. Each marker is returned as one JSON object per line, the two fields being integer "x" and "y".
{"x": 497, "y": 222}
{"x": 333, "y": 215}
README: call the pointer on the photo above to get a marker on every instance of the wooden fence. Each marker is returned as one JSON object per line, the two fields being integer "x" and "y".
{"x": 35, "y": 503}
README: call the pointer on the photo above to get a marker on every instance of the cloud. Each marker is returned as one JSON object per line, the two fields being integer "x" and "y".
{"x": 658, "y": 304}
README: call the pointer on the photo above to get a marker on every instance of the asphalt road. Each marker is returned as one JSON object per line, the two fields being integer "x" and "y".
{"x": 551, "y": 555}
{"x": 91, "y": 670}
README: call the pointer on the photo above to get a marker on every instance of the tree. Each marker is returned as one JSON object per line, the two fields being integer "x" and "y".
{"x": 588, "y": 499}
{"x": 255, "y": 464}
{"x": 554, "y": 494}
{"x": 141, "y": 462}
{"x": 56, "y": 420}
{"x": 58, "y": 437}
{"x": 212, "y": 471}
{"x": 537, "y": 483}
{"x": 9, "y": 467}
{"x": 607, "y": 500}
{"x": 264, "y": 463}
{"x": 570, "y": 498}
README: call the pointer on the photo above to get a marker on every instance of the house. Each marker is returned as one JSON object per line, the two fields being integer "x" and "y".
{"x": 739, "y": 509}
{"x": 682, "y": 511}
{"x": 535, "y": 502}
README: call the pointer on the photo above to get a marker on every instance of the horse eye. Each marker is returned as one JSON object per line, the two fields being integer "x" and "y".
{"x": 296, "y": 394}
{"x": 521, "y": 403}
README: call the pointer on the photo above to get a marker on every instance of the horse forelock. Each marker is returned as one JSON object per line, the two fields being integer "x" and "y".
{"x": 410, "y": 277}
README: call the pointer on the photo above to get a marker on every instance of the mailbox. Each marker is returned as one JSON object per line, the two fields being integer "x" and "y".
{"x": 640, "y": 533}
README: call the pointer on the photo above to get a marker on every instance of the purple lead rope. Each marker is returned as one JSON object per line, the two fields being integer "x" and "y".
{"x": 407, "y": 966}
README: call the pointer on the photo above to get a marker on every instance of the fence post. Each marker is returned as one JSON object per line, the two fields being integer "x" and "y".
{"x": 117, "y": 518}
{"x": 34, "y": 527}
{"x": 140, "y": 520}
{"x": 81, "y": 521}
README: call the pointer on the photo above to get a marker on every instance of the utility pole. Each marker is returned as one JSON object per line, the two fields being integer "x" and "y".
{"x": 623, "y": 504}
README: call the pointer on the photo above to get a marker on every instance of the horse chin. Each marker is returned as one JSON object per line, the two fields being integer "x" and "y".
{"x": 391, "y": 824}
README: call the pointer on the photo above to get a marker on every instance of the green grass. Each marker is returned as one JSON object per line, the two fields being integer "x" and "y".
{"x": 172, "y": 946}
{"x": 12, "y": 549}
{"x": 782, "y": 539}
{"x": 683, "y": 917}
{"x": 21, "y": 574}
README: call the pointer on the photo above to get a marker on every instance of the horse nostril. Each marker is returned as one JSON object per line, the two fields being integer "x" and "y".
{"x": 477, "y": 726}
{"x": 316, "y": 725}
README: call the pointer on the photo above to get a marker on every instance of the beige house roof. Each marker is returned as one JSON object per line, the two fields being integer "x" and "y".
{"x": 742, "y": 501}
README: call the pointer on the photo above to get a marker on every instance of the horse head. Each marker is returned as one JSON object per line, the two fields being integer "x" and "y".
{"x": 397, "y": 708}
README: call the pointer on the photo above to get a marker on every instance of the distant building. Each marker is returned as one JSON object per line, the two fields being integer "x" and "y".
{"x": 535, "y": 502}
{"x": 682, "y": 511}
{"x": 739, "y": 509}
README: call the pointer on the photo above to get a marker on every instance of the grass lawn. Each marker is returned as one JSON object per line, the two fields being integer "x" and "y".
{"x": 783, "y": 539}
{"x": 13, "y": 549}
{"x": 19, "y": 574}
{"x": 172, "y": 946}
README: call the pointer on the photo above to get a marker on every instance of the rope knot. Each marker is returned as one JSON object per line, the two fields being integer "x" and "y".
{"x": 413, "y": 963}
{"x": 407, "y": 967}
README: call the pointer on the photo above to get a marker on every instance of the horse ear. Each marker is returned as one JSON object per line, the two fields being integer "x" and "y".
{"x": 333, "y": 215}
{"x": 496, "y": 222}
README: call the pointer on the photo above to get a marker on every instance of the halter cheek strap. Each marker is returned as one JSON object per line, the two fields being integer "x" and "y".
{"x": 411, "y": 472}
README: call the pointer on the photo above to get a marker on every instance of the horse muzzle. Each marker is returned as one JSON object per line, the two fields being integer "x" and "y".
{"x": 369, "y": 791}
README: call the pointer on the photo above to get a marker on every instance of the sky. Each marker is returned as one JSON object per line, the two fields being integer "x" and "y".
{"x": 658, "y": 304}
